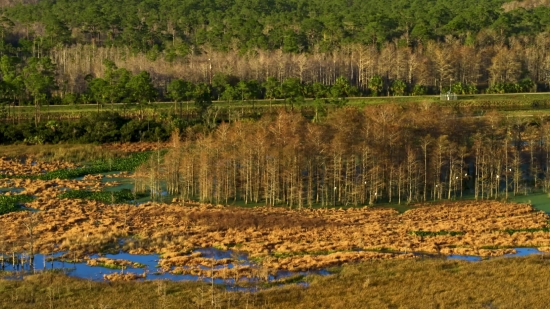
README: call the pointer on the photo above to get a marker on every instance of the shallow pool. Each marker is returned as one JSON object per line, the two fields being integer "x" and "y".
{"x": 519, "y": 252}
{"x": 150, "y": 263}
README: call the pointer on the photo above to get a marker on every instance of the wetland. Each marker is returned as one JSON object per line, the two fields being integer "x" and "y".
{"x": 279, "y": 204}
{"x": 167, "y": 237}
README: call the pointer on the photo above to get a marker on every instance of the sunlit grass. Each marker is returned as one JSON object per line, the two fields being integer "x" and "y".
{"x": 421, "y": 283}
{"x": 155, "y": 107}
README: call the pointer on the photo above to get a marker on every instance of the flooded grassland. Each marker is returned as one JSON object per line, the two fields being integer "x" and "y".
{"x": 275, "y": 235}
{"x": 93, "y": 226}
{"x": 54, "y": 227}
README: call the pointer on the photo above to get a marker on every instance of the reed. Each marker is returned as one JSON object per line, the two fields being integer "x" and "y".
{"x": 429, "y": 283}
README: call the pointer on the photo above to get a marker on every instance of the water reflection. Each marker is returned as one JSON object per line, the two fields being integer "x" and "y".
{"x": 519, "y": 252}
{"x": 150, "y": 267}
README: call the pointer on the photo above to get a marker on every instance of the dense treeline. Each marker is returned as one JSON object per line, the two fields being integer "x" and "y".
{"x": 102, "y": 127}
{"x": 67, "y": 51}
{"x": 385, "y": 153}
{"x": 291, "y": 25}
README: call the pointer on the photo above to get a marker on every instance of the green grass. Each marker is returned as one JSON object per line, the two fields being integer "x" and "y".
{"x": 289, "y": 280}
{"x": 398, "y": 100}
{"x": 438, "y": 233}
{"x": 100, "y": 166}
{"x": 109, "y": 266}
{"x": 478, "y": 100}
{"x": 539, "y": 201}
{"x": 117, "y": 197}
{"x": 430, "y": 283}
{"x": 83, "y": 109}
{"x": 10, "y": 203}
{"x": 493, "y": 247}
{"x": 545, "y": 229}
{"x": 114, "y": 266}
{"x": 282, "y": 255}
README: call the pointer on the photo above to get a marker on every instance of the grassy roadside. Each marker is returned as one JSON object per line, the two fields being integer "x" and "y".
{"x": 430, "y": 283}
{"x": 480, "y": 100}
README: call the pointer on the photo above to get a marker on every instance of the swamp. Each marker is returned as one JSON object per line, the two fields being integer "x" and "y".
{"x": 244, "y": 214}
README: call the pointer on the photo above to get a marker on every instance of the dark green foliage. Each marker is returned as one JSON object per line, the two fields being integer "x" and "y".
{"x": 202, "y": 97}
{"x": 292, "y": 91}
{"x": 342, "y": 88}
{"x": 222, "y": 84}
{"x": 141, "y": 88}
{"x": 104, "y": 127}
{"x": 9, "y": 203}
{"x": 98, "y": 89}
{"x": 544, "y": 229}
{"x": 272, "y": 88}
{"x": 453, "y": 233}
{"x": 398, "y": 87}
{"x": 38, "y": 77}
{"x": 504, "y": 88}
{"x": 122, "y": 196}
{"x": 460, "y": 88}
{"x": 524, "y": 85}
{"x": 376, "y": 85}
{"x": 438, "y": 233}
{"x": 293, "y": 26}
{"x": 180, "y": 90}
{"x": 173, "y": 29}
{"x": 419, "y": 90}
{"x": 101, "y": 166}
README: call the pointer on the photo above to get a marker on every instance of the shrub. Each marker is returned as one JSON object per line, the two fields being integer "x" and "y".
{"x": 9, "y": 203}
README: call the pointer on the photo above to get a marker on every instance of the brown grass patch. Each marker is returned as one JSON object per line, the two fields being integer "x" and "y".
{"x": 432, "y": 283}
{"x": 85, "y": 227}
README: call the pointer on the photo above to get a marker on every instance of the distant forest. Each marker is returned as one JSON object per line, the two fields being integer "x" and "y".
{"x": 73, "y": 51}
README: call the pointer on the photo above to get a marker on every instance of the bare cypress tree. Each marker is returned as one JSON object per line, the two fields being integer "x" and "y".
{"x": 424, "y": 143}
{"x": 30, "y": 224}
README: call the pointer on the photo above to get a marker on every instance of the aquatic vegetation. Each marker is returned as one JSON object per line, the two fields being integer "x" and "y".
{"x": 277, "y": 237}
{"x": 438, "y": 233}
{"x": 532, "y": 230}
{"x": 113, "y": 263}
{"x": 101, "y": 166}
{"x": 122, "y": 196}
{"x": 123, "y": 277}
{"x": 128, "y": 163}
{"x": 75, "y": 215}
{"x": 362, "y": 285}
{"x": 9, "y": 203}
